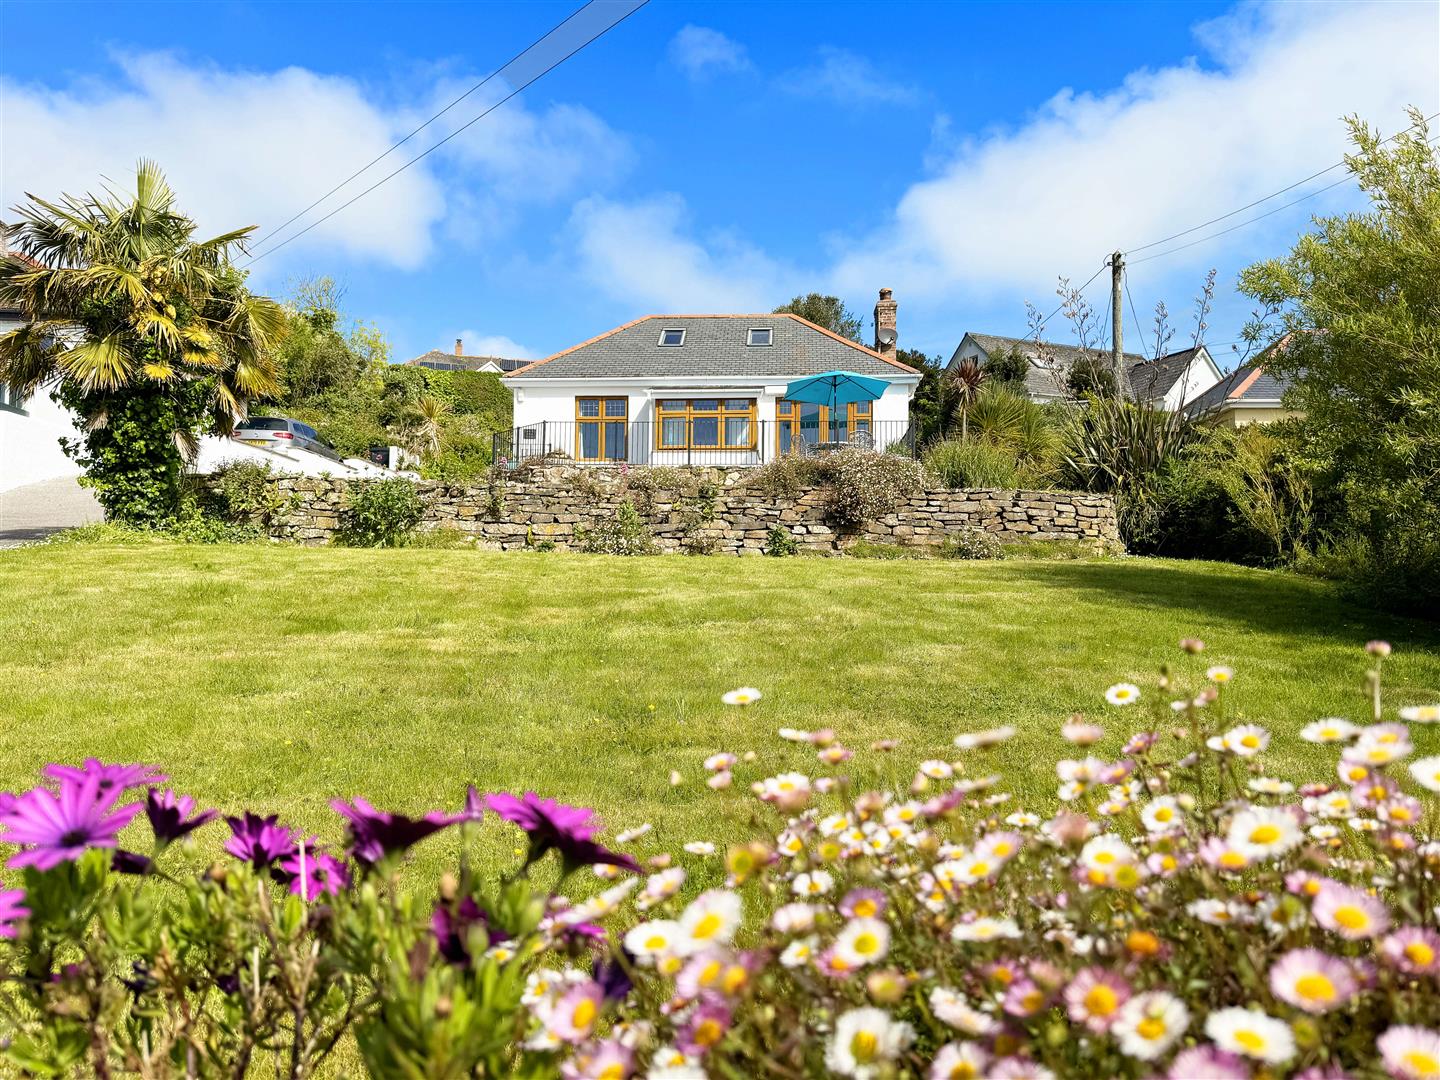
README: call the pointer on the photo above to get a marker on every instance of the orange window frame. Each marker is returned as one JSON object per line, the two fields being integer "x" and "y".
{"x": 601, "y": 417}
{"x": 720, "y": 414}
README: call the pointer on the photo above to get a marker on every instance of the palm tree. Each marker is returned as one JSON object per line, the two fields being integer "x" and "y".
{"x": 966, "y": 379}
{"x": 427, "y": 423}
{"x": 119, "y": 300}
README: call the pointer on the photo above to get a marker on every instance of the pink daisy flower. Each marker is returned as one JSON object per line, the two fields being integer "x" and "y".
{"x": 1207, "y": 1063}
{"x": 1312, "y": 980}
{"x": 1349, "y": 912}
{"x": 1410, "y": 1053}
{"x": 1094, "y": 997}
{"x": 1412, "y": 949}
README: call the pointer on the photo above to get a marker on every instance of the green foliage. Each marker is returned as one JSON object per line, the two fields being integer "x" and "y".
{"x": 1008, "y": 369}
{"x": 382, "y": 513}
{"x": 1123, "y": 448}
{"x": 132, "y": 460}
{"x": 1091, "y": 375}
{"x": 245, "y": 491}
{"x": 1357, "y": 303}
{"x": 973, "y": 464}
{"x": 931, "y": 407}
{"x": 779, "y": 543}
{"x": 623, "y": 533}
{"x": 971, "y": 544}
{"x": 151, "y": 335}
{"x": 827, "y": 311}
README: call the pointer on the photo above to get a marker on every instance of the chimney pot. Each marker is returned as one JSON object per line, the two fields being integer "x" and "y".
{"x": 459, "y": 347}
{"x": 885, "y": 309}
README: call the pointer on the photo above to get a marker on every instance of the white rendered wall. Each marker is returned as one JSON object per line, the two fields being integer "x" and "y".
{"x": 30, "y": 443}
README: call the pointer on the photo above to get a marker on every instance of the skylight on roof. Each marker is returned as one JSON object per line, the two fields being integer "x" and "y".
{"x": 760, "y": 335}
{"x": 672, "y": 336}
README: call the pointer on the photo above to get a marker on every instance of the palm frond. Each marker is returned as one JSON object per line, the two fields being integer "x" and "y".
{"x": 98, "y": 364}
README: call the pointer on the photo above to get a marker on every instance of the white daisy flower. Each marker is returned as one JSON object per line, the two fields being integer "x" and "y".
{"x": 700, "y": 847}
{"x": 866, "y": 1040}
{"x": 799, "y": 952}
{"x": 1162, "y": 814}
{"x": 1123, "y": 694}
{"x": 951, "y": 1007}
{"x": 1252, "y": 1033}
{"x": 712, "y": 918}
{"x": 1426, "y": 772}
{"x": 631, "y": 835}
{"x": 936, "y": 769}
{"x": 1149, "y": 1024}
{"x": 1330, "y": 730}
{"x": 862, "y": 941}
{"x": 1220, "y": 673}
{"x": 794, "y": 918}
{"x": 1263, "y": 832}
{"x": 745, "y": 695}
{"x": 812, "y": 883}
{"x": 648, "y": 941}
{"x": 985, "y": 928}
{"x": 1421, "y": 714}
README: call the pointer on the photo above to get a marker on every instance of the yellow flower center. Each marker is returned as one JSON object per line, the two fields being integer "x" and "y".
{"x": 1127, "y": 877}
{"x": 655, "y": 942}
{"x": 1264, "y": 834}
{"x": 735, "y": 977}
{"x": 1097, "y": 877}
{"x": 709, "y": 973}
{"x": 965, "y": 1070}
{"x": 708, "y": 1032}
{"x": 865, "y": 908}
{"x": 1152, "y": 1028}
{"x": 1250, "y": 742}
{"x": 1421, "y": 1063}
{"x": 979, "y": 869}
{"x": 1399, "y": 813}
{"x": 707, "y": 927}
{"x": 584, "y": 1015}
{"x": 1420, "y": 954}
{"x": 1351, "y": 917}
{"x": 1004, "y": 848}
{"x": 1311, "y": 888}
{"x": 1101, "y": 1001}
{"x": 1315, "y": 987}
{"x": 1250, "y": 1041}
{"x": 1164, "y": 813}
{"x": 863, "y": 1046}
{"x": 1104, "y": 857}
{"x": 1033, "y": 1000}
{"x": 613, "y": 1071}
{"x": 866, "y": 943}
{"x": 1329, "y": 733}
{"x": 1142, "y": 942}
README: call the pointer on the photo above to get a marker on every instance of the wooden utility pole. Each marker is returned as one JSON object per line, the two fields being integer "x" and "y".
{"x": 1117, "y": 348}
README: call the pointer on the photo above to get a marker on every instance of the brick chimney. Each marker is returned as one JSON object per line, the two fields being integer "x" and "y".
{"x": 885, "y": 333}
{"x": 459, "y": 347}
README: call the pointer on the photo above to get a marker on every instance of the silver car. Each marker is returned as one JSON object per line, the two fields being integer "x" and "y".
{"x": 279, "y": 432}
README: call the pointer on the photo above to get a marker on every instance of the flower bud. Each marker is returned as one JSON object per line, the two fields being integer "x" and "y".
{"x": 885, "y": 987}
{"x": 449, "y": 886}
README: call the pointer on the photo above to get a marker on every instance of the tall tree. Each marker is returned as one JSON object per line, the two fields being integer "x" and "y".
{"x": 827, "y": 311}
{"x": 1356, "y": 305}
{"x": 148, "y": 334}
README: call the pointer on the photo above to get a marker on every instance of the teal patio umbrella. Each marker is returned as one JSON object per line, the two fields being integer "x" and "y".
{"x": 833, "y": 388}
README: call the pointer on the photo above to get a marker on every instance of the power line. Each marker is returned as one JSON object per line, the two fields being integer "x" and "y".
{"x": 1267, "y": 198}
{"x": 425, "y": 153}
{"x": 364, "y": 168}
{"x": 1257, "y": 217}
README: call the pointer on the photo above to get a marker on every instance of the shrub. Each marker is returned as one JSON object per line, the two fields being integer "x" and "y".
{"x": 1175, "y": 912}
{"x": 866, "y": 485}
{"x": 971, "y": 544}
{"x": 244, "y": 492}
{"x": 973, "y": 464}
{"x": 779, "y": 543}
{"x": 624, "y": 533}
{"x": 382, "y": 513}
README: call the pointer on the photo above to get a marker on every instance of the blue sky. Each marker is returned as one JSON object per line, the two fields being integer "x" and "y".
{"x": 720, "y": 157}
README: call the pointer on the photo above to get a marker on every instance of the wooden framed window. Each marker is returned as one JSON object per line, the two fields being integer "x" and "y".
{"x": 600, "y": 424}
{"x": 705, "y": 424}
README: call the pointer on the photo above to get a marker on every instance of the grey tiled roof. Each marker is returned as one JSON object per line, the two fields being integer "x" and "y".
{"x": 1041, "y": 382}
{"x": 1152, "y": 379}
{"x": 1238, "y": 386}
{"x": 437, "y": 357}
{"x": 714, "y": 346}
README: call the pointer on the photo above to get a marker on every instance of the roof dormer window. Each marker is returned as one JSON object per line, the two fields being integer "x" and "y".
{"x": 760, "y": 336}
{"x": 672, "y": 336}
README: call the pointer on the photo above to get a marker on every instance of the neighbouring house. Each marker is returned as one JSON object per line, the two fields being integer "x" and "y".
{"x": 436, "y": 360}
{"x": 1250, "y": 394}
{"x": 1168, "y": 382}
{"x": 31, "y": 429}
{"x": 706, "y": 390}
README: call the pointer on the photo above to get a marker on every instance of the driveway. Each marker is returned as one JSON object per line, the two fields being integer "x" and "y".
{"x": 35, "y": 511}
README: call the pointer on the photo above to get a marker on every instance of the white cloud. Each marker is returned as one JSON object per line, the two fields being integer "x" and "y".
{"x": 254, "y": 147}
{"x": 849, "y": 79}
{"x": 1168, "y": 149}
{"x": 640, "y": 253}
{"x": 478, "y": 344}
{"x": 701, "y": 52}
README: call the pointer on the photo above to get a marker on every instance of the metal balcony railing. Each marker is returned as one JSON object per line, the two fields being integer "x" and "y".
{"x": 722, "y": 442}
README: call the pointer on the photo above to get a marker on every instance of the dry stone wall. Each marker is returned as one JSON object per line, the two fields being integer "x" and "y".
{"x": 710, "y": 511}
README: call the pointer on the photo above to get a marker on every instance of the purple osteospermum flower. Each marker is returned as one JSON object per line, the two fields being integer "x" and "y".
{"x": 112, "y": 777}
{"x": 256, "y": 840}
{"x": 612, "y": 977}
{"x": 58, "y": 827}
{"x": 324, "y": 875}
{"x": 12, "y": 910}
{"x": 169, "y": 815}
{"x": 375, "y": 834}
{"x": 452, "y": 929}
{"x": 128, "y": 862}
{"x": 550, "y": 824}
{"x": 474, "y": 808}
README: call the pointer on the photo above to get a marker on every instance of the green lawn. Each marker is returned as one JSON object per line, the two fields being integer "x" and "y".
{"x": 277, "y": 677}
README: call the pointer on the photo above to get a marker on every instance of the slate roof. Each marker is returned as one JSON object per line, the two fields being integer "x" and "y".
{"x": 714, "y": 345}
{"x": 1044, "y": 382}
{"x": 1152, "y": 379}
{"x": 1250, "y": 384}
{"x": 451, "y": 362}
